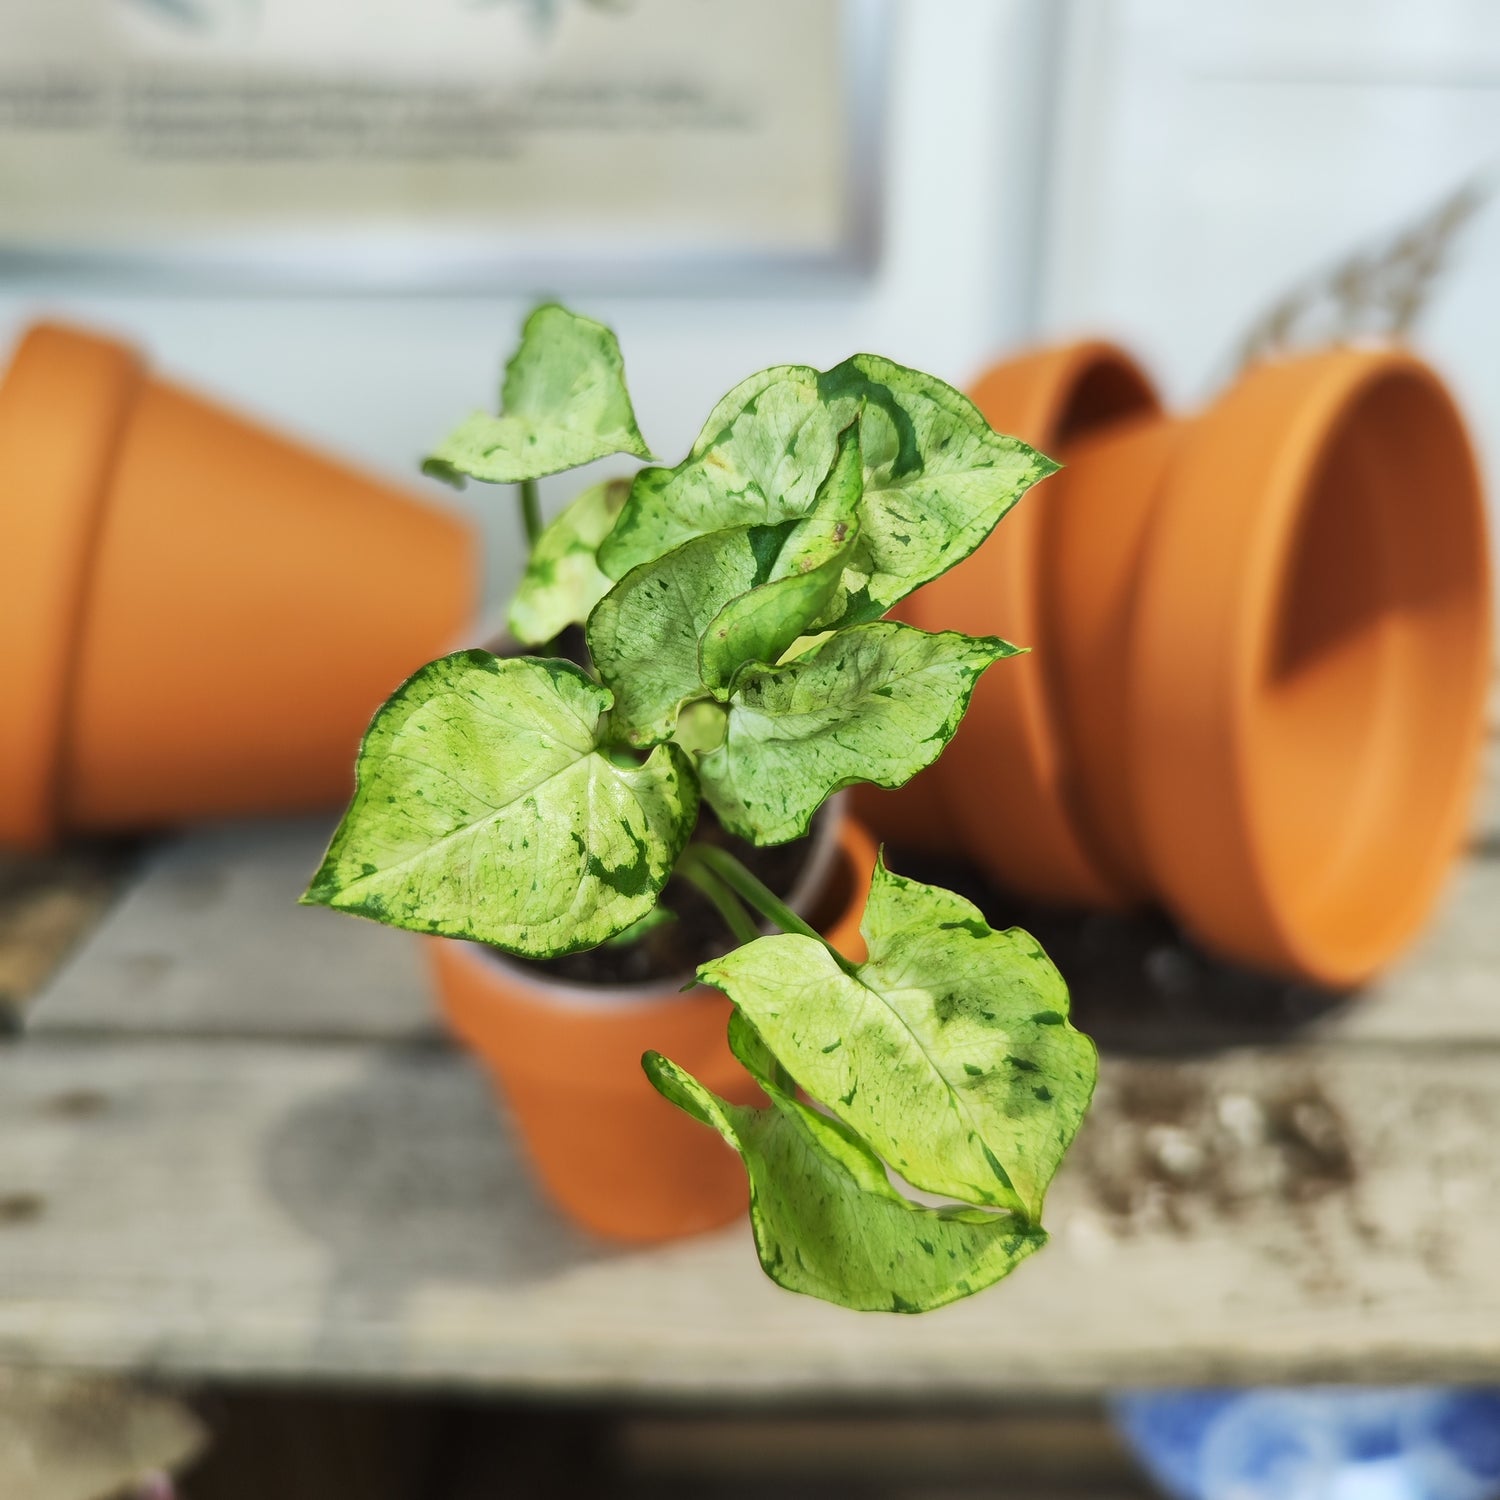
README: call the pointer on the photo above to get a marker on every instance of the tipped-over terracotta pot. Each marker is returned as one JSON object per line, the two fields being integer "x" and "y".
{"x": 1261, "y": 645}
{"x": 609, "y": 1150}
{"x": 197, "y": 616}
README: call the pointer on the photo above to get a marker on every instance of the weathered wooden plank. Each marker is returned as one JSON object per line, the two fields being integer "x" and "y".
{"x": 211, "y": 942}
{"x": 47, "y": 905}
{"x": 346, "y": 1212}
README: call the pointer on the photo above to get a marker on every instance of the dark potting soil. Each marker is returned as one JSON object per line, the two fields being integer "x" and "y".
{"x": 674, "y": 949}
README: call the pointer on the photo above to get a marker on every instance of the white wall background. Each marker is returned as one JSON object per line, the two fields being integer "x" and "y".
{"x": 381, "y": 379}
{"x": 1155, "y": 169}
{"x": 1210, "y": 154}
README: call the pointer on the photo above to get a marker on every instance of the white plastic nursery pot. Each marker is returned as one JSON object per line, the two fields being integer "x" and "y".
{"x": 1261, "y": 649}
{"x": 608, "y": 1149}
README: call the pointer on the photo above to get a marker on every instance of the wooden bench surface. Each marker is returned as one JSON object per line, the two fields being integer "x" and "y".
{"x": 234, "y": 1143}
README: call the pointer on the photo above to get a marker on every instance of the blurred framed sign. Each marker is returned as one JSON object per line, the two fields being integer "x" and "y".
{"x": 439, "y": 143}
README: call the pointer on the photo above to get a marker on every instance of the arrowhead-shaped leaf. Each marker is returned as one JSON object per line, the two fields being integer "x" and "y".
{"x": 949, "y": 1050}
{"x": 828, "y": 1223}
{"x": 874, "y": 703}
{"x": 484, "y": 809}
{"x": 562, "y": 582}
{"x": 937, "y": 477}
{"x": 564, "y": 403}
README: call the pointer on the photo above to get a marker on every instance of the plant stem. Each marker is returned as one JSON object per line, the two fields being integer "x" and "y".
{"x": 531, "y": 512}
{"x": 736, "y": 918}
{"x": 747, "y": 887}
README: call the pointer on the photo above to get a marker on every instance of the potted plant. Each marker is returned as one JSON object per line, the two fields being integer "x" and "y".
{"x": 736, "y": 661}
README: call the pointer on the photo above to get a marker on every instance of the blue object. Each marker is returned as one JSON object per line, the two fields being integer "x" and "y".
{"x": 1317, "y": 1443}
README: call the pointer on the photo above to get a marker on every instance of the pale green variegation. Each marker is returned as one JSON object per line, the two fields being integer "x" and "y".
{"x": 949, "y": 1050}
{"x": 873, "y": 703}
{"x": 759, "y": 460}
{"x": 562, "y": 582}
{"x": 564, "y": 403}
{"x": 644, "y": 634}
{"x": 760, "y": 625}
{"x": 484, "y": 808}
{"x": 937, "y": 477}
{"x": 827, "y": 1221}
{"x": 679, "y": 627}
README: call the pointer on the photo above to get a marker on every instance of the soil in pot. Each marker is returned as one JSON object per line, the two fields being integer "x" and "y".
{"x": 696, "y": 933}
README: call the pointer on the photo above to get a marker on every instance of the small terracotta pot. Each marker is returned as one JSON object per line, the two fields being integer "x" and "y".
{"x": 198, "y": 616}
{"x": 610, "y": 1151}
{"x": 1261, "y": 645}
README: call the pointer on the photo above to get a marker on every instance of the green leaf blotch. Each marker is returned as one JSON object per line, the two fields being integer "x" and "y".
{"x": 827, "y": 1221}
{"x": 937, "y": 477}
{"x": 562, "y": 582}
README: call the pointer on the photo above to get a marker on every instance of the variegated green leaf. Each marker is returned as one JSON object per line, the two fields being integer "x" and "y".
{"x": 828, "y": 1223}
{"x": 564, "y": 403}
{"x": 484, "y": 808}
{"x": 643, "y": 636}
{"x": 759, "y": 626}
{"x": 562, "y": 582}
{"x": 937, "y": 476}
{"x": 875, "y": 703}
{"x": 949, "y": 1050}
{"x": 677, "y": 628}
{"x": 758, "y": 461}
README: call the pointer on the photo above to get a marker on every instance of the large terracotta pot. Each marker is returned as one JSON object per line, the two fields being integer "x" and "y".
{"x": 608, "y": 1149}
{"x": 197, "y": 616}
{"x": 1261, "y": 644}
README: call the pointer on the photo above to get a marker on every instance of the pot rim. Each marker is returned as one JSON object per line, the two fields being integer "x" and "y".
{"x": 71, "y": 392}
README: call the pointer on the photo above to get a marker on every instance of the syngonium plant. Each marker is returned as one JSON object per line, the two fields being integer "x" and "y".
{"x": 737, "y": 653}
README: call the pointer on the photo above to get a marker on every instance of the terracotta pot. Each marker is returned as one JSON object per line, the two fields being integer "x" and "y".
{"x": 198, "y": 615}
{"x": 609, "y": 1150}
{"x": 1261, "y": 646}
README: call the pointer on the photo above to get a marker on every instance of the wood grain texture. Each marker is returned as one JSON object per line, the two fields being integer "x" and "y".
{"x": 344, "y": 1212}
{"x": 210, "y": 941}
{"x": 48, "y": 903}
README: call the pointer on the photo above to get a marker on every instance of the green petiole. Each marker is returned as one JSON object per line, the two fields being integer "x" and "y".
{"x": 692, "y": 869}
{"x": 531, "y": 512}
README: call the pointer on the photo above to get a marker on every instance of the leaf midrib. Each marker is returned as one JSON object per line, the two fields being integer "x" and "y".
{"x": 1021, "y": 1211}
{"x": 493, "y": 815}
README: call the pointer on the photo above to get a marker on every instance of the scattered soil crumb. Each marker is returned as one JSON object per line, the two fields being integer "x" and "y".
{"x": 1163, "y": 1151}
